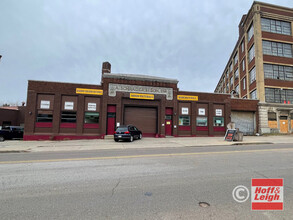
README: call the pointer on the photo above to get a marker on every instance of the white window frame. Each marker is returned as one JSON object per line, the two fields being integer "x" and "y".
{"x": 231, "y": 81}
{"x": 251, "y": 53}
{"x": 244, "y": 83}
{"x": 236, "y": 74}
{"x": 236, "y": 58}
{"x": 250, "y": 32}
{"x": 253, "y": 94}
{"x": 252, "y": 75}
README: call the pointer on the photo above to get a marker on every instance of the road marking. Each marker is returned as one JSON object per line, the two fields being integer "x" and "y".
{"x": 146, "y": 155}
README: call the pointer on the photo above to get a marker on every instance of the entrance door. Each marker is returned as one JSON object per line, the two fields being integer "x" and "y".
{"x": 168, "y": 122}
{"x": 283, "y": 124}
{"x": 168, "y": 125}
{"x": 111, "y": 119}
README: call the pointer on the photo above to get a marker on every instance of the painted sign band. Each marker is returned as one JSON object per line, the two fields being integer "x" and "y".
{"x": 142, "y": 96}
{"x": 187, "y": 98}
{"x": 89, "y": 91}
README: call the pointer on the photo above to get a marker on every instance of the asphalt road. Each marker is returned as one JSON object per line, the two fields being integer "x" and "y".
{"x": 159, "y": 183}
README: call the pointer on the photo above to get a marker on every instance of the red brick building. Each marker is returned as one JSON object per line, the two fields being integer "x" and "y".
{"x": 58, "y": 111}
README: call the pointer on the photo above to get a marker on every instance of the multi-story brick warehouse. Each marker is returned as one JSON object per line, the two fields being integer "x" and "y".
{"x": 155, "y": 105}
{"x": 261, "y": 66}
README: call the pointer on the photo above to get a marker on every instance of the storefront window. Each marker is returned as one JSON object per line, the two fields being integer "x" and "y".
{"x": 91, "y": 117}
{"x": 201, "y": 121}
{"x": 68, "y": 117}
{"x": 45, "y": 116}
{"x": 184, "y": 120}
{"x": 218, "y": 121}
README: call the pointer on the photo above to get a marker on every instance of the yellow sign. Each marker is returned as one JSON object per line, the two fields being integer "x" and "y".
{"x": 168, "y": 123}
{"x": 89, "y": 91}
{"x": 141, "y": 96}
{"x": 187, "y": 98}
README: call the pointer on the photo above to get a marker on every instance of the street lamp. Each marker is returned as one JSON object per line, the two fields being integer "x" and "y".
{"x": 0, "y": 57}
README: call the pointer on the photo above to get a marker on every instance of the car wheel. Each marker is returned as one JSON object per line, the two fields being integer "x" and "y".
{"x": 140, "y": 136}
{"x": 1, "y": 138}
{"x": 116, "y": 140}
{"x": 131, "y": 138}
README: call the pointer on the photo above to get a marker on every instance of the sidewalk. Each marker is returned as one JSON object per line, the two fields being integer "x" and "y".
{"x": 76, "y": 145}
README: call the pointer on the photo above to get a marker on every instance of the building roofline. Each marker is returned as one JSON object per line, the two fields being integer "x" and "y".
{"x": 210, "y": 93}
{"x": 272, "y": 5}
{"x": 139, "y": 77}
{"x": 265, "y": 4}
{"x": 63, "y": 82}
{"x": 13, "y": 108}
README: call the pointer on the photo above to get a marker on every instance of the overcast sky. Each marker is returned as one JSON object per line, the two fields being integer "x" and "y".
{"x": 67, "y": 40}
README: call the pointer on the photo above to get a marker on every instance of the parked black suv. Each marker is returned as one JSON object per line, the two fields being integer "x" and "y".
{"x": 11, "y": 132}
{"x": 127, "y": 132}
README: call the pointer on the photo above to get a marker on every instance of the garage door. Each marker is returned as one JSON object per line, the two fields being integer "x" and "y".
{"x": 145, "y": 119}
{"x": 244, "y": 121}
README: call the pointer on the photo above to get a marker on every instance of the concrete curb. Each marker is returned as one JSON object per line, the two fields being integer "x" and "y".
{"x": 55, "y": 149}
{"x": 15, "y": 151}
{"x": 253, "y": 143}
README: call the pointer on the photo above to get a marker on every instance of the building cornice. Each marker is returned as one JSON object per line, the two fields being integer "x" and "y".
{"x": 139, "y": 78}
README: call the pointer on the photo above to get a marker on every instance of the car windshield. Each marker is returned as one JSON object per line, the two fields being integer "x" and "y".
{"x": 122, "y": 129}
